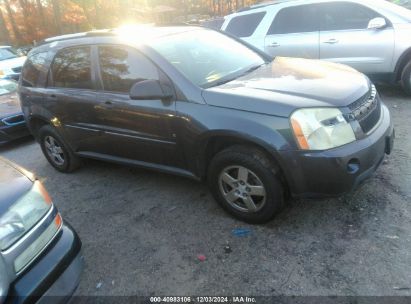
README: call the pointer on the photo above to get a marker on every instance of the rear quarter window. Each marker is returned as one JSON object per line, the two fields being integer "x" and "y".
{"x": 245, "y": 25}
{"x": 34, "y": 66}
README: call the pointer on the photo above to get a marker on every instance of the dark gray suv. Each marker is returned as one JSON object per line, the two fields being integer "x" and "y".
{"x": 198, "y": 103}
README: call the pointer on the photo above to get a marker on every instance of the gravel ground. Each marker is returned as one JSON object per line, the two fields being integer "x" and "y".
{"x": 142, "y": 231}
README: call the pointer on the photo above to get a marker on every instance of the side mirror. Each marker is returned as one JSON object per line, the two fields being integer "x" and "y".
{"x": 148, "y": 89}
{"x": 377, "y": 23}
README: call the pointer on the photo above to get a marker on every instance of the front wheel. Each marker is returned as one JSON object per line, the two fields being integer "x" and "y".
{"x": 56, "y": 151}
{"x": 406, "y": 78}
{"x": 246, "y": 184}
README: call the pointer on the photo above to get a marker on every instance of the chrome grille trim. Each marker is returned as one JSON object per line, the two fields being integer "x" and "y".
{"x": 367, "y": 110}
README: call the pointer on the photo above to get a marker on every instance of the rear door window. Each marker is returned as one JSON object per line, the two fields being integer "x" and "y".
{"x": 121, "y": 67}
{"x": 71, "y": 68}
{"x": 295, "y": 19}
{"x": 244, "y": 25}
{"x": 35, "y": 65}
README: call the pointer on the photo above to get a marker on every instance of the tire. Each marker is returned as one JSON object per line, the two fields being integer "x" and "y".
{"x": 406, "y": 78}
{"x": 58, "y": 154}
{"x": 233, "y": 187}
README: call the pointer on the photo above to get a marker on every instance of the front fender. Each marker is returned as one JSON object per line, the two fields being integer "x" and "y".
{"x": 4, "y": 281}
{"x": 201, "y": 123}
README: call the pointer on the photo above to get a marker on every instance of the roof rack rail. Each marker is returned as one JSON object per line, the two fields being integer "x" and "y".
{"x": 97, "y": 33}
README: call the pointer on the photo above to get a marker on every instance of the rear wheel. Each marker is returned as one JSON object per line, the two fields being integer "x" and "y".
{"x": 246, "y": 184}
{"x": 56, "y": 151}
{"x": 406, "y": 78}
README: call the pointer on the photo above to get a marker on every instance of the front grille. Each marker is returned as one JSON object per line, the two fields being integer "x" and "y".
{"x": 367, "y": 110}
{"x": 17, "y": 70}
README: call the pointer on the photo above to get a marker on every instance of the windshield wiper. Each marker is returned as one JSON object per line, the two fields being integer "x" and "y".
{"x": 224, "y": 81}
{"x": 256, "y": 67}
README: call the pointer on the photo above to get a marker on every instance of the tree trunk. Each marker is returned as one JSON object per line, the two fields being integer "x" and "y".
{"x": 97, "y": 16}
{"x": 57, "y": 16}
{"x": 26, "y": 13}
{"x": 41, "y": 14}
{"x": 4, "y": 32}
{"x": 16, "y": 32}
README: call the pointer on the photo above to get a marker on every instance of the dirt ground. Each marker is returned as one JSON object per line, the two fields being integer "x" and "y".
{"x": 142, "y": 231}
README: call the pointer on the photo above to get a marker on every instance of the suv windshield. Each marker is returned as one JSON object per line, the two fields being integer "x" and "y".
{"x": 7, "y": 87}
{"x": 7, "y": 53}
{"x": 206, "y": 57}
{"x": 398, "y": 10}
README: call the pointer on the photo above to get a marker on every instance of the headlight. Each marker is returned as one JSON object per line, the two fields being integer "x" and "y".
{"x": 321, "y": 128}
{"x": 5, "y": 72}
{"x": 23, "y": 215}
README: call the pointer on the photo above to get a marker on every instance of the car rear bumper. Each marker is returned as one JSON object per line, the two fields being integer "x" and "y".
{"x": 338, "y": 171}
{"x": 56, "y": 274}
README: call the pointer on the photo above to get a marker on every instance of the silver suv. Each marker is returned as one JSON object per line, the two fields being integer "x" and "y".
{"x": 373, "y": 37}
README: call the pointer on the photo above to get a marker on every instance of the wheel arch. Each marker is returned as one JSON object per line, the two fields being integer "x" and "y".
{"x": 221, "y": 140}
{"x": 402, "y": 62}
{"x": 35, "y": 123}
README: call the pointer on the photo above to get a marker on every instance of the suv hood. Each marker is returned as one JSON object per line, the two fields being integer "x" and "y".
{"x": 14, "y": 183}
{"x": 285, "y": 84}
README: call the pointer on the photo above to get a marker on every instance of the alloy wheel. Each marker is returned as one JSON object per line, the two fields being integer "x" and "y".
{"x": 54, "y": 150}
{"x": 242, "y": 189}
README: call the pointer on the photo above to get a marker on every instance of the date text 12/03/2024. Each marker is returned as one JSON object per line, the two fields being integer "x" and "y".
{"x": 203, "y": 299}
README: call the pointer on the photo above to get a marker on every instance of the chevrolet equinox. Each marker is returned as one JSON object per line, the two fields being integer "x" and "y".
{"x": 198, "y": 103}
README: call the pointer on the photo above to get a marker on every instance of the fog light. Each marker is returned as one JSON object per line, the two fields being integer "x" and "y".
{"x": 353, "y": 166}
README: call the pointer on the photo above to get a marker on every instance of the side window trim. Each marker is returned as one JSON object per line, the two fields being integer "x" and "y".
{"x": 50, "y": 77}
{"x": 96, "y": 72}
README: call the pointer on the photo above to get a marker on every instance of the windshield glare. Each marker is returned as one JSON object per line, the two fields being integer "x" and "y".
{"x": 7, "y": 87}
{"x": 398, "y": 10}
{"x": 207, "y": 57}
{"x": 7, "y": 53}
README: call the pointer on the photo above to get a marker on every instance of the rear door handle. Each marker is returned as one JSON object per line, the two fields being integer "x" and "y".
{"x": 331, "y": 41}
{"x": 52, "y": 97}
{"x": 274, "y": 44}
{"x": 109, "y": 104}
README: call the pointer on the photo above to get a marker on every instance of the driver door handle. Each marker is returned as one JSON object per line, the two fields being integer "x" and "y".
{"x": 274, "y": 44}
{"x": 331, "y": 41}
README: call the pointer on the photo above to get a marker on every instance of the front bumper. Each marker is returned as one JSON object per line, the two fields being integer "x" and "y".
{"x": 15, "y": 76}
{"x": 9, "y": 132}
{"x": 56, "y": 274}
{"x": 338, "y": 171}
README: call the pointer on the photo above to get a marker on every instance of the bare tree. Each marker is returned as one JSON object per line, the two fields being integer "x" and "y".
{"x": 16, "y": 32}
{"x": 4, "y": 32}
{"x": 26, "y": 13}
{"x": 41, "y": 14}
{"x": 57, "y": 15}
